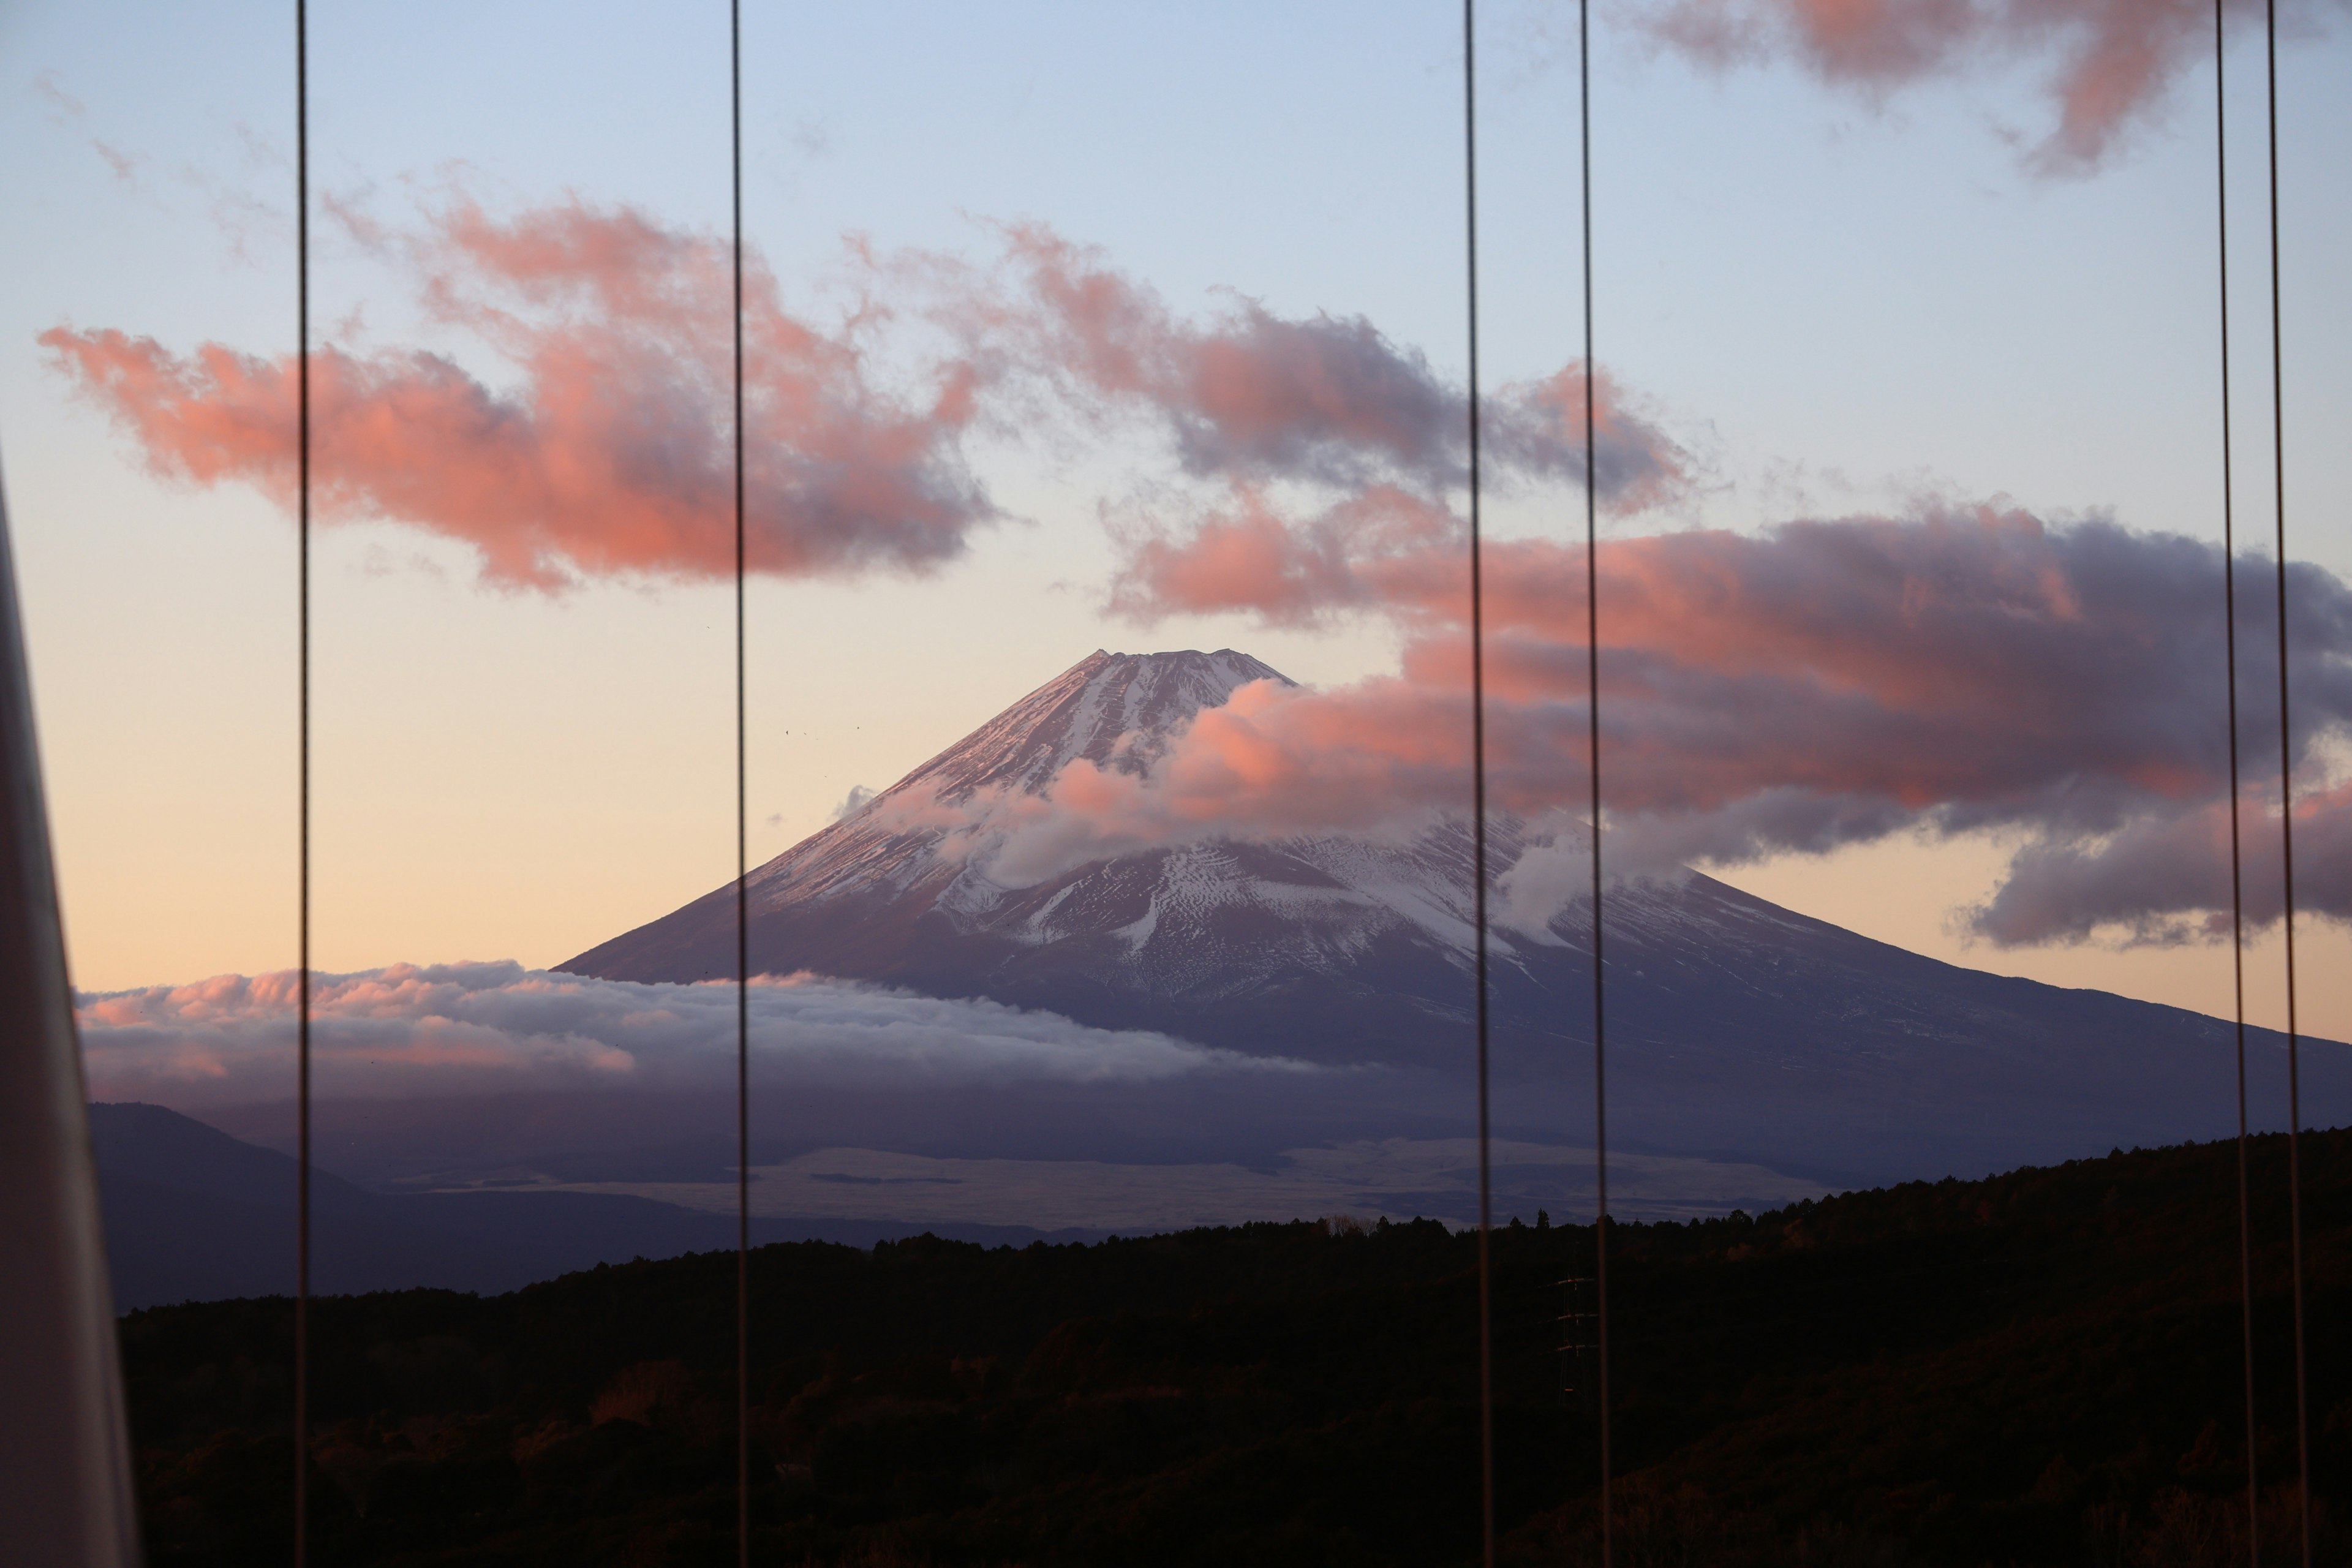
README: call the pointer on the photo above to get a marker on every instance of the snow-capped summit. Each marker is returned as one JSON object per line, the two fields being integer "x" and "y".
{"x": 1109, "y": 708}
{"x": 1115, "y": 710}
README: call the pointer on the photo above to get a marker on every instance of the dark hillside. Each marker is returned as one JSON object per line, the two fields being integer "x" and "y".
{"x": 2042, "y": 1367}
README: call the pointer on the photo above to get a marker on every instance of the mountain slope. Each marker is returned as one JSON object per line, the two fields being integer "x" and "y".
{"x": 1737, "y": 1028}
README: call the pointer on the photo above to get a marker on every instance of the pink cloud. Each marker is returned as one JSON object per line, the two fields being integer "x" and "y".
{"x": 1824, "y": 683}
{"x": 612, "y": 454}
{"x": 2110, "y": 62}
{"x": 1252, "y": 396}
{"x": 1248, "y": 556}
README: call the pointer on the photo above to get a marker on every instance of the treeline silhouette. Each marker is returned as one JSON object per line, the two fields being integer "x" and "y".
{"x": 2042, "y": 1367}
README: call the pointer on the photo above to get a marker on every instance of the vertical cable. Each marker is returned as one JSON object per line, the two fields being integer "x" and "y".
{"x": 302, "y": 729}
{"x": 1592, "y": 741}
{"x": 1478, "y": 809}
{"x": 742, "y": 859}
{"x": 2237, "y": 854}
{"x": 2286, "y": 821}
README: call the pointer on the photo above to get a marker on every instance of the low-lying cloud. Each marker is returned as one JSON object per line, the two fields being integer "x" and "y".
{"x": 2111, "y": 63}
{"x": 440, "y": 1030}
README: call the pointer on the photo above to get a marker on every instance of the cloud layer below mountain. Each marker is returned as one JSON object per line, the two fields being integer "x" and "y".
{"x": 441, "y": 1029}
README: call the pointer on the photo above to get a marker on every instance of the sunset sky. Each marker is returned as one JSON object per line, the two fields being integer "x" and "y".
{"x": 1142, "y": 328}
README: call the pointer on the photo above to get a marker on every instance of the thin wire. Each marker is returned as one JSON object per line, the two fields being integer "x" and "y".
{"x": 302, "y": 701}
{"x": 742, "y": 863}
{"x": 2286, "y": 821}
{"x": 1478, "y": 808}
{"x": 2237, "y": 878}
{"x": 1592, "y": 741}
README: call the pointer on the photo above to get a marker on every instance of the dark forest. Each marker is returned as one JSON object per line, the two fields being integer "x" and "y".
{"x": 2042, "y": 1367}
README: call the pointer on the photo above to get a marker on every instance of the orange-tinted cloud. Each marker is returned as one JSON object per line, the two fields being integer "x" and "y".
{"x": 1249, "y": 556}
{"x": 612, "y": 451}
{"x": 2110, "y": 61}
{"x": 1824, "y": 683}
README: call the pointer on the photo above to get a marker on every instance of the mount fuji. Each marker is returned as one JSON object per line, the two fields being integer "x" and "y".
{"x": 1737, "y": 1029}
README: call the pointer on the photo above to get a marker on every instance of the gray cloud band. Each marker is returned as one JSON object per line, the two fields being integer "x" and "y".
{"x": 1823, "y": 684}
{"x": 410, "y": 1030}
{"x": 1253, "y": 396}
